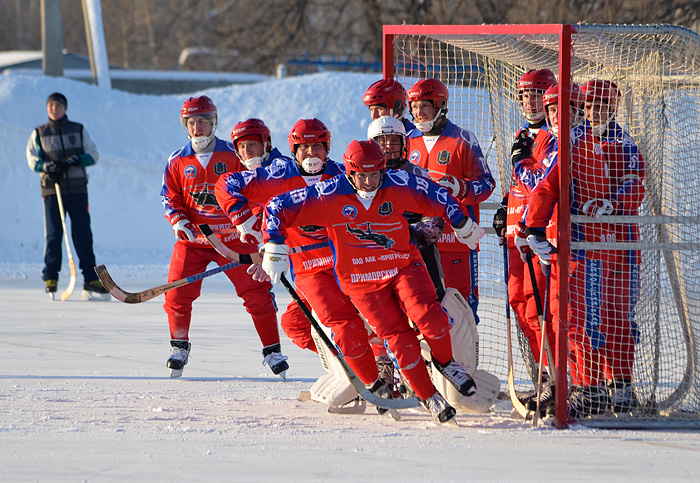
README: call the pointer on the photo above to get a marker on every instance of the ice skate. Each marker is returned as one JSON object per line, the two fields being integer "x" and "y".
{"x": 179, "y": 355}
{"x": 94, "y": 290}
{"x": 382, "y": 389}
{"x": 587, "y": 401}
{"x": 51, "y": 287}
{"x": 441, "y": 409}
{"x": 546, "y": 398}
{"x": 385, "y": 368}
{"x": 276, "y": 361}
{"x": 622, "y": 396}
{"x": 458, "y": 376}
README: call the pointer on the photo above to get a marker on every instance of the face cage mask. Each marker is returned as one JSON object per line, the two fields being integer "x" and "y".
{"x": 601, "y": 128}
{"x": 256, "y": 162}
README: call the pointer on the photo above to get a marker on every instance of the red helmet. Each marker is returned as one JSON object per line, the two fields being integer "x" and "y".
{"x": 602, "y": 91}
{"x": 198, "y": 106}
{"x": 540, "y": 80}
{"x": 388, "y": 92}
{"x": 551, "y": 96}
{"x": 308, "y": 131}
{"x": 364, "y": 157}
{"x": 429, "y": 90}
{"x": 252, "y": 127}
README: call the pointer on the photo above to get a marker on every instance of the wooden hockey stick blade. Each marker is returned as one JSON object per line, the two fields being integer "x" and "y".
{"x": 359, "y": 386}
{"x": 138, "y": 297}
{"x": 71, "y": 263}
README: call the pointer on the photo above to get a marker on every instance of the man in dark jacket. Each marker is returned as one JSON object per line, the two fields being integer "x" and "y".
{"x": 60, "y": 150}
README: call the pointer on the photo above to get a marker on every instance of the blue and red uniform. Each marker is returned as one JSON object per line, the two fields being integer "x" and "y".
{"x": 238, "y": 194}
{"x": 375, "y": 262}
{"x": 589, "y": 330}
{"x": 527, "y": 173}
{"x": 627, "y": 173}
{"x": 188, "y": 193}
{"x": 456, "y": 152}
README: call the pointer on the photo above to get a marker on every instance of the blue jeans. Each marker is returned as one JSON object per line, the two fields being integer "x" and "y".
{"x": 76, "y": 206}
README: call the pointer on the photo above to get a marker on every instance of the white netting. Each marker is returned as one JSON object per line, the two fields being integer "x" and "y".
{"x": 657, "y": 71}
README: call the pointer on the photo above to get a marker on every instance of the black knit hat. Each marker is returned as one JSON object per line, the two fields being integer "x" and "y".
{"x": 58, "y": 97}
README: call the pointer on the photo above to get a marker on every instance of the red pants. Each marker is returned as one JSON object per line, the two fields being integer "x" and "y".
{"x": 522, "y": 299}
{"x": 257, "y": 297}
{"x": 334, "y": 310}
{"x": 409, "y": 295}
{"x": 461, "y": 271}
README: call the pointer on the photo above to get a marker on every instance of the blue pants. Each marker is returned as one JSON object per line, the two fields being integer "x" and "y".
{"x": 76, "y": 206}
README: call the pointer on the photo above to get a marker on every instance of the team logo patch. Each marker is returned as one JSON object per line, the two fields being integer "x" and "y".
{"x": 190, "y": 172}
{"x": 443, "y": 157}
{"x": 386, "y": 209}
{"x": 220, "y": 168}
{"x": 379, "y": 238}
{"x": 414, "y": 157}
{"x": 204, "y": 199}
{"x": 349, "y": 211}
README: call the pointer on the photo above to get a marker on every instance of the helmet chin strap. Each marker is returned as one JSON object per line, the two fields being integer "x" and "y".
{"x": 427, "y": 126}
{"x": 200, "y": 143}
{"x": 601, "y": 128}
{"x": 365, "y": 195}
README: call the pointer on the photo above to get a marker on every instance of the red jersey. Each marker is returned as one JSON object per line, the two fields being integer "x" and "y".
{"x": 239, "y": 193}
{"x": 455, "y": 152}
{"x": 188, "y": 191}
{"x": 589, "y": 180}
{"x": 526, "y": 174}
{"x": 370, "y": 238}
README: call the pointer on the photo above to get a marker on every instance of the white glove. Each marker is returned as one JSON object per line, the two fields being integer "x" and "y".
{"x": 597, "y": 208}
{"x": 275, "y": 261}
{"x": 259, "y": 275}
{"x": 184, "y": 230}
{"x": 470, "y": 233}
{"x": 458, "y": 187}
{"x": 522, "y": 245}
{"x": 540, "y": 247}
{"x": 250, "y": 230}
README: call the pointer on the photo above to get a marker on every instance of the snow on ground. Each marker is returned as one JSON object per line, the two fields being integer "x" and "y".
{"x": 84, "y": 391}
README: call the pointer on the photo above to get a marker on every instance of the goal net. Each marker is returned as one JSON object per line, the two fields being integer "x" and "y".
{"x": 647, "y": 254}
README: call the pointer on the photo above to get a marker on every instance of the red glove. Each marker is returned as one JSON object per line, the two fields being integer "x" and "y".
{"x": 250, "y": 230}
{"x": 184, "y": 230}
{"x": 457, "y": 186}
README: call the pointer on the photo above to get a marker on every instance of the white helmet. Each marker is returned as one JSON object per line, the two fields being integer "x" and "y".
{"x": 385, "y": 125}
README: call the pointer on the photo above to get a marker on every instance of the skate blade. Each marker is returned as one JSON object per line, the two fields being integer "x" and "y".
{"x": 51, "y": 296}
{"x": 393, "y": 414}
{"x": 450, "y": 423}
{"x": 175, "y": 373}
{"x": 283, "y": 375}
{"x": 95, "y": 296}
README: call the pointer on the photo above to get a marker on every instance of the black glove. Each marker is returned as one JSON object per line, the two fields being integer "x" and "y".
{"x": 72, "y": 161}
{"x": 499, "y": 223}
{"x": 53, "y": 169}
{"x": 427, "y": 231}
{"x": 522, "y": 146}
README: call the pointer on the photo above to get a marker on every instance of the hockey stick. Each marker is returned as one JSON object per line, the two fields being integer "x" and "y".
{"x": 71, "y": 263}
{"x": 138, "y": 297}
{"x": 352, "y": 377}
{"x": 544, "y": 341}
{"x": 218, "y": 245}
{"x": 517, "y": 404}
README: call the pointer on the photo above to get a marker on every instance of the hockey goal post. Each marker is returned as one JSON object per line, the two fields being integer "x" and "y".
{"x": 657, "y": 71}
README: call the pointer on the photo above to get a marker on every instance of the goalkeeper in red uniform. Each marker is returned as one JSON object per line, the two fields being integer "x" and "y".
{"x": 376, "y": 264}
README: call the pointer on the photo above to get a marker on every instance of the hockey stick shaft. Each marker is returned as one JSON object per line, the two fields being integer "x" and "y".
{"x": 71, "y": 263}
{"x": 138, "y": 297}
{"x": 544, "y": 340}
{"x": 253, "y": 257}
{"x": 517, "y": 404}
{"x": 354, "y": 380}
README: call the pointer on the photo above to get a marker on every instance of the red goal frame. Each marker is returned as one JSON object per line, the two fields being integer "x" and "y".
{"x": 565, "y": 33}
